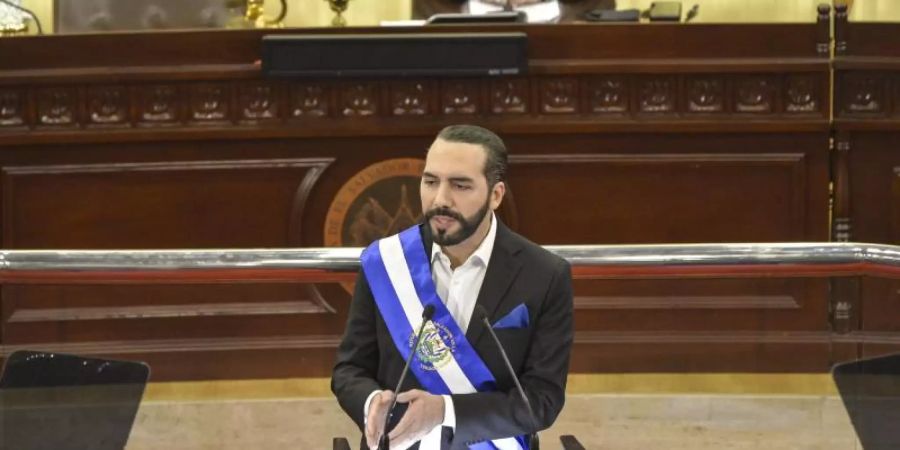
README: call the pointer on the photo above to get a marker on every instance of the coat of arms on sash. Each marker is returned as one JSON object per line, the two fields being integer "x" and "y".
{"x": 437, "y": 346}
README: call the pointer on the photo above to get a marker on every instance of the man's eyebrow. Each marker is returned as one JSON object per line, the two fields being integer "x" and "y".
{"x": 459, "y": 179}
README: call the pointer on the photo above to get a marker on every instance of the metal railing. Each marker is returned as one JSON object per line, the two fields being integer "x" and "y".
{"x": 809, "y": 259}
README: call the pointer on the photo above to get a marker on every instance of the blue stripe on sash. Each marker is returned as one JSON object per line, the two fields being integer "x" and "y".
{"x": 394, "y": 316}
{"x": 420, "y": 271}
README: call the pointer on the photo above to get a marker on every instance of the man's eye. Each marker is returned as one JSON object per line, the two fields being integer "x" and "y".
{"x": 463, "y": 187}
{"x": 428, "y": 182}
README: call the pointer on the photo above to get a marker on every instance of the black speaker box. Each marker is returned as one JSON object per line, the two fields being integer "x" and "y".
{"x": 391, "y": 55}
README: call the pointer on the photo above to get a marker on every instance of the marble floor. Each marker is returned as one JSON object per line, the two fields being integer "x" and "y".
{"x": 600, "y": 421}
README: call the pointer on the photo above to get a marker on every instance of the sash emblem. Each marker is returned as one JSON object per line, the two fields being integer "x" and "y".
{"x": 437, "y": 347}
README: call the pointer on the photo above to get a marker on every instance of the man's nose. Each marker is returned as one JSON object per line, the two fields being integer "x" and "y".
{"x": 442, "y": 196}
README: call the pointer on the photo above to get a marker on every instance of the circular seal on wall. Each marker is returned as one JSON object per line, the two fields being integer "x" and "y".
{"x": 380, "y": 200}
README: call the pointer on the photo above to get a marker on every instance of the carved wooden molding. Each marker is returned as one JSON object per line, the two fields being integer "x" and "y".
{"x": 788, "y": 159}
{"x": 613, "y": 97}
{"x": 734, "y": 337}
{"x": 868, "y": 337}
{"x": 687, "y": 302}
{"x": 165, "y": 311}
{"x": 182, "y": 345}
{"x": 236, "y": 164}
{"x": 327, "y": 342}
{"x": 867, "y": 94}
{"x": 844, "y": 305}
{"x": 840, "y": 28}
{"x": 702, "y": 337}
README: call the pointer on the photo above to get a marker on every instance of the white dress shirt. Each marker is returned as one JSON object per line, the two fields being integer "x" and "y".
{"x": 458, "y": 289}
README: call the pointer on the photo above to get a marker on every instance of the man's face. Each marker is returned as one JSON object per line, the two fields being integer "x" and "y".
{"x": 455, "y": 194}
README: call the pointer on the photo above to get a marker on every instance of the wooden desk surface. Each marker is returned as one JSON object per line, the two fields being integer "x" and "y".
{"x": 710, "y": 11}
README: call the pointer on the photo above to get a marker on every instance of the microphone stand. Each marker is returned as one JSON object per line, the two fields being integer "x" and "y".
{"x": 533, "y": 442}
{"x": 384, "y": 443}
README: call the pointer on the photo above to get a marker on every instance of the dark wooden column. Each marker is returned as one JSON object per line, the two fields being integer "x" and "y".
{"x": 867, "y": 170}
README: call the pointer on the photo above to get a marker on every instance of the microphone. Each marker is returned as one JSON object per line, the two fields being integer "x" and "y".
{"x": 384, "y": 442}
{"x": 533, "y": 443}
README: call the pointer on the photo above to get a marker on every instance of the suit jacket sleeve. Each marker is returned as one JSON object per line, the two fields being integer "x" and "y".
{"x": 353, "y": 377}
{"x": 492, "y": 415}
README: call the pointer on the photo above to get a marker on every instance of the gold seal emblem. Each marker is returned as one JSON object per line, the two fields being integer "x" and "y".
{"x": 380, "y": 200}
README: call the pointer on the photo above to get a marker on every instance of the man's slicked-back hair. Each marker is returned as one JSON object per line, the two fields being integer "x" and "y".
{"x": 497, "y": 160}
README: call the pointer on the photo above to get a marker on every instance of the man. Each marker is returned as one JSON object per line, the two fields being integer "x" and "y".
{"x": 459, "y": 394}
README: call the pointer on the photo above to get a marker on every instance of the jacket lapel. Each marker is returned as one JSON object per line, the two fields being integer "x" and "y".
{"x": 501, "y": 271}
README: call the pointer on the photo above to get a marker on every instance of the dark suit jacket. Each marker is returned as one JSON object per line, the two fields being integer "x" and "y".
{"x": 519, "y": 271}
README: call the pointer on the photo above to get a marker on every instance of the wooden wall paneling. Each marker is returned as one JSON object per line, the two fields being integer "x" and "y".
{"x": 867, "y": 125}
{"x": 42, "y": 314}
{"x": 185, "y": 204}
{"x": 186, "y": 146}
{"x": 215, "y": 358}
{"x": 615, "y": 193}
{"x": 871, "y": 165}
{"x": 609, "y": 194}
{"x": 236, "y": 50}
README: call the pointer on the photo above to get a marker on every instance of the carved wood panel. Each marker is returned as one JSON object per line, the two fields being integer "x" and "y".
{"x": 47, "y": 314}
{"x": 190, "y": 204}
{"x": 210, "y": 103}
{"x": 159, "y": 104}
{"x": 608, "y": 95}
{"x": 755, "y": 94}
{"x": 867, "y": 93}
{"x": 308, "y": 100}
{"x": 107, "y": 106}
{"x": 57, "y": 106}
{"x": 12, "y": 108}
{"x": 690, "y": 190}
{"x": 178, "y": 204}
{"x": 198, "y": 104}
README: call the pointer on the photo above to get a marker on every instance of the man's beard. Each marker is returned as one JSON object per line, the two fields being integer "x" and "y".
{"x": 467, "y": 225}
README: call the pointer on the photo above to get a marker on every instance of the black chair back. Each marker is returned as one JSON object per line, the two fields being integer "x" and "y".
{"x": 56, "y": 401}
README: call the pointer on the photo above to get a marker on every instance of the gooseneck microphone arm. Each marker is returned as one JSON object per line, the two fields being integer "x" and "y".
{"x": 487, "y": 324}
{"x": 384, "y": 443}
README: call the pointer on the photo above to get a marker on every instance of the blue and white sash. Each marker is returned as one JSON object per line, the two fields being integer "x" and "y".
{"x": 399, "y": 276}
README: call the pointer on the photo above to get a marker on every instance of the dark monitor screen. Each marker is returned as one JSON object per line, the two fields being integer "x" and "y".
{"x": 54, "y": 401}
{"x": 870, "y": 390}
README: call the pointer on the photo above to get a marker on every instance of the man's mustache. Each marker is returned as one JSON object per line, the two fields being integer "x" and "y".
{"x": 444, "y": 211}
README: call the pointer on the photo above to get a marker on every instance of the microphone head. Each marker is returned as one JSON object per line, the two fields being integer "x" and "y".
{"x": 428, "y": 312}
{"x": 482, "y": 312}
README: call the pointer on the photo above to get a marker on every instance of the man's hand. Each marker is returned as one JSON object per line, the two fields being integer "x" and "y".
{"x": 425, "y": 412}
{"x": 376, "y": 416}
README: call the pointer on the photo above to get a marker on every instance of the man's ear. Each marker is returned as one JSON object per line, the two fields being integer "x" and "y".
{"x": 497, "y": 193}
